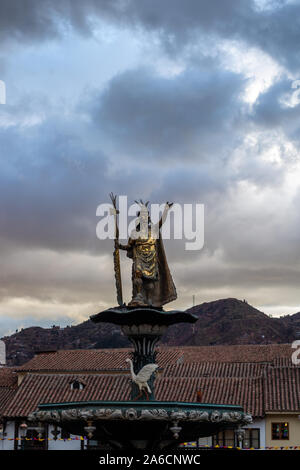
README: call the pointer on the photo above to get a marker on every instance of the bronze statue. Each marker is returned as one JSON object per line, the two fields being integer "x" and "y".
{"x": 152, "y": 283}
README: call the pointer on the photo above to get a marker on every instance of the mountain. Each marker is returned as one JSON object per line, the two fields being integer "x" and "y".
{"x": 231, "y": 321}
{"x": 21, "y": 346}
{"x": 225, "y": 321}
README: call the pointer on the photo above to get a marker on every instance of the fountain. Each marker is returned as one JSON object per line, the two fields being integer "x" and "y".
{"x": 143, "y": 422}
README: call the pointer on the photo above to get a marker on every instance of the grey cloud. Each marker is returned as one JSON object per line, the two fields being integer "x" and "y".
{"x": 51, "y": 185}
{"x": 59, "y": 171}
{"x": 33, "y": 20}
{"x": 275, "y": 30}
{"x": 271, "y": 112}
{"x": 178, "y": 24}
{"x": 53, "y": 176}
{"x": 149, "y": 136}
{"x": 188, "y": 117}
{"x": 239, "y": 277}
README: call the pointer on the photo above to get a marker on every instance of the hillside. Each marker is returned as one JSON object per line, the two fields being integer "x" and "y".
{"x": 225, "y": 321}
{"x": 21, "y": 346}
{"x": 232, "y": 321}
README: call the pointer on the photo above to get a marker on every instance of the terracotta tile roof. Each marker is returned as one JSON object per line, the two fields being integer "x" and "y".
{"x": 260, "y": 378}
{"x": 114, "y": 359}
{"x": 282, "y": 389}
{"x": 8, "y": 377}
{"x": 91, "y": 360}
{"x": 8, "y": 384}
{"x": 55, "y": 388}
{"x": 246, "y": 392}
{"x": 215, "y": 369}
{"x": 237, "y": 353}
{"x": 6, "y": 396}
{"x": 283, "y": 362}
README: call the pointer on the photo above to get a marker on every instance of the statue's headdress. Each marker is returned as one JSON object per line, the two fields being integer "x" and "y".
{"x": 141, "y": 203}
{"x": 142, "y": 206}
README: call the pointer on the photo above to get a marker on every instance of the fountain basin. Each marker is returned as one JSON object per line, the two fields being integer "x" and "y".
{"x": 140, "y": 315}
{"x": 142, "y": 424}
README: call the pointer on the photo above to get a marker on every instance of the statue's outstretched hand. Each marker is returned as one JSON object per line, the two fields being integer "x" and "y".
{"x": 169, "y": 204}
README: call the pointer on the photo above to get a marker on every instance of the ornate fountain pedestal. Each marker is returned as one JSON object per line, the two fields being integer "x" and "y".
{"x": 138, "y": 423}
{"x": 144, "y": 326}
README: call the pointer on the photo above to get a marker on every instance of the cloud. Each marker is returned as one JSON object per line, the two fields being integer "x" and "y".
{"x": 61, "y": 167}
{"x": 274, "y": 27}
{"x": 279, "y": 108}
{"x": 32, "y": 20}
{"x": 44, "y": 183}
{"x": 173, "y": 125}
{"x": 146, "y": 116}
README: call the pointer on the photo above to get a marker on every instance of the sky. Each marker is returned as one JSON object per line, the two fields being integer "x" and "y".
{"x": 190, "y": 102}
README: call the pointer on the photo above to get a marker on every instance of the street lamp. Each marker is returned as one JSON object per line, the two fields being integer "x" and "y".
{"x": 55, "y": 432}
{"x": 175, "y": 429}
{"x": 89, "y": 429}
{"x": 240, "y": 436}
{"x": 23, "y": 430}
{"x": 39, "y": 429}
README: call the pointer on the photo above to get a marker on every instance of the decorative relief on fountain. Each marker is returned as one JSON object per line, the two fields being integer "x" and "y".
{"x": 133, "y": 413}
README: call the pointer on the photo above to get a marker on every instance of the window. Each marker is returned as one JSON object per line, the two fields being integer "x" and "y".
{"x": 280, "y": 431}
{"x": 97, "y": 445}
{"x": 251, "y": 439}
{"x": 65, "y": 434}
{"x": 32, "y": 442}
{"x": 224, "y": 438}
{"x": 76, "y": 385}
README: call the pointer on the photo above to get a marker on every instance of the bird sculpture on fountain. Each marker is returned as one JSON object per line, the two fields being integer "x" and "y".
{"x": 142, "y": 377}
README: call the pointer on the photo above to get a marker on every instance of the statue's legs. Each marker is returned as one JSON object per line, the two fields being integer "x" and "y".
{"x": 149, "y": 285}
{"x": 138, "y": 297}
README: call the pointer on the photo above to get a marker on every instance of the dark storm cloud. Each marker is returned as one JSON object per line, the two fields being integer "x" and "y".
{"x": 58, "y": 171}
{"x": 42, "y": 186}
{"x": 177, "y": 138}
{"x": 53, "y": 176}
{"x": 188, "y": 116}
{"x": 276, "y": 30}
{"x": 34, "y": 20}
{"x": 279, "y": 108}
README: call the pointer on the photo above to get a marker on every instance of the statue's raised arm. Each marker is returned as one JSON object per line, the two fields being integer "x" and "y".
{"x": 165, "y": 213}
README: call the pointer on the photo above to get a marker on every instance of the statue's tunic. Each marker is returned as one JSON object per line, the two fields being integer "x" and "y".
{"x": 145, "y": 258}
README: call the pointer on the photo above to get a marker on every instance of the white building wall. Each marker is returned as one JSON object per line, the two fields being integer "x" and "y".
{"x": 261, "y": 425}
{"x": 9, "y": 433}
{"x": 205, "y": 441}
{"x": 63, "y": 444}
{"x": 257, "y": 424}
{"x": 8, "y": 442}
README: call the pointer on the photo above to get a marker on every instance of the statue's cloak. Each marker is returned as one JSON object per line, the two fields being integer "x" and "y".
{"x": 164, "y": 288}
